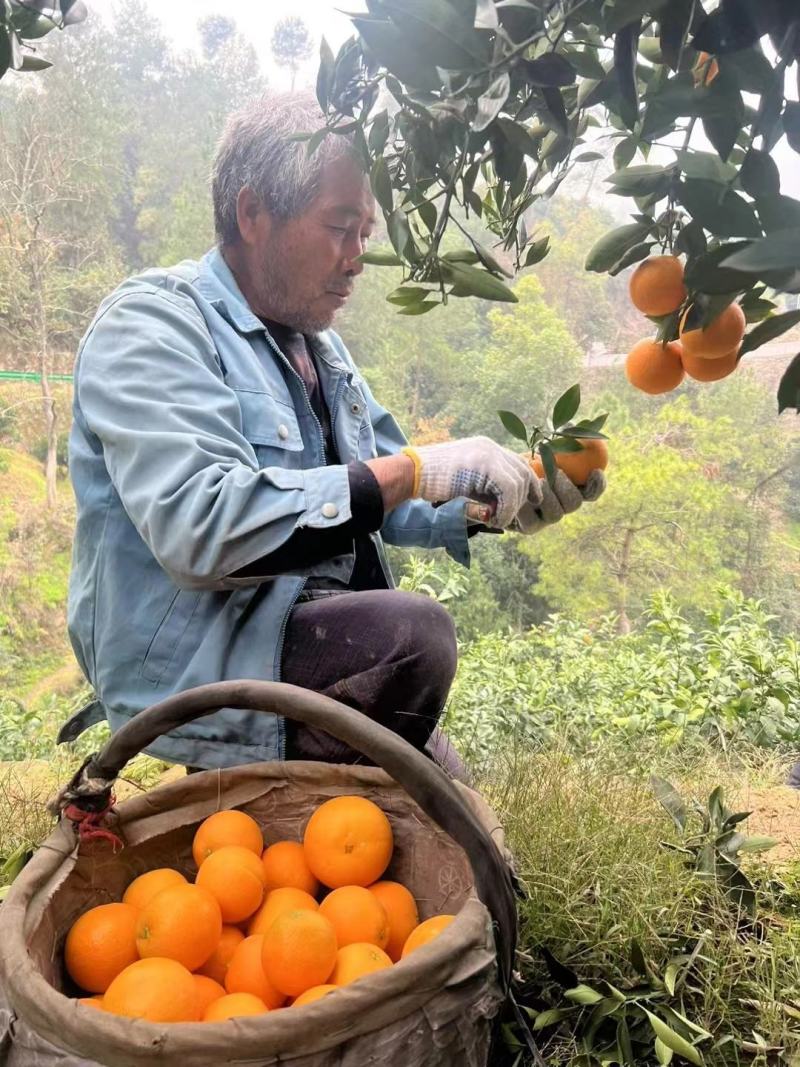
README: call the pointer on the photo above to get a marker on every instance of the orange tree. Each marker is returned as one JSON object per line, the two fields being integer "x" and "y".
{"x": 23, "y": 22}
{"x": 483, "y": 107}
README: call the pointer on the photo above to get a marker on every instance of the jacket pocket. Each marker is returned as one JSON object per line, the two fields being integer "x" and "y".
{"x": 268, "y": 422}
{"x": 167, "y": 638}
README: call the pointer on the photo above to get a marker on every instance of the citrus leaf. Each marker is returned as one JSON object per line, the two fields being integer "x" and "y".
{"x": 789, "y": 388}
{"x": 491, "y": 102}
{"x": 549, "y": 70}
{"x": 470, "y": 281}
{"x": 382, "y": 184}
{"x": 725, "y": 214}
{"x": 758, "y": 843}
{"x": 419, "y": 309}
{"x": 768, "y": 330}
{"x": 759, "y": 175}
{"x": 581, "y": 994}
{"x": 380, "y": 259}
{"x": 514, "y": 424}
{"x": 663, "y": 1053}
{"x": 670, "y": 800}
{"x": 553, "y": 1015}
{"x": 566, "y": 406}
{"x": 779, "y": 251}
{"x": 613, "y": 245}
{"x": 537, "y": 251}
{"x": 325, "y": 74}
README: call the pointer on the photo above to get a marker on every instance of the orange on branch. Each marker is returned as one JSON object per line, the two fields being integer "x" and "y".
{"x": 654, "y": 367}
{"x": 183, "y": 923}
{"x": 226, "y": 828}
{"x": 656, "y": 287}
{"x": 160, "y": 990}
{"x": 577, "y": 466}
{"x": 717, "y": 339}
{"x": 348, "y": 841}
{"x": 235, "y": 877}
{"x": 710, "y": 370}
{"x": 101, "y": 944}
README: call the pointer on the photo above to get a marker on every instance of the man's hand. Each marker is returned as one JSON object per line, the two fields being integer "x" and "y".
{"x": 547, "y": 505}
{"x": 477, "y": 468}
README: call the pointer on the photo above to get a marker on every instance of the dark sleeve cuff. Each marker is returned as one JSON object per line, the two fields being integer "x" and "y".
{"x": 307, "y": 547}
{"x": 366, "y": 499}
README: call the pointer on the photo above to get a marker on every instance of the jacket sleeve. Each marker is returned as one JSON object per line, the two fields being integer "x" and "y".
{"x": 416, "y": 523}
{"x": 150, "y": 387}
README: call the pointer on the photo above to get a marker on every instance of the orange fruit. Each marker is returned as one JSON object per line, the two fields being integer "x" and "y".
{"x": 719, "y": 338}
{"x": 183, "y": 923}
{"x": 226, "y": 828}
{"x": 354, "y": 961}
{"x": 426, "y": 932}
{"x": 233, "y": 1006}
{"x": 285, "y": 866}
{"x": 710, "y": 370}
{"x": 100, "y": 944}
{"x": 246, "y": 973}
{"x": 92, "y": 1002}
{"x": 656, "y": 286}
{"x": 157, "y": 989}
{"x": 276, "y": 903}
{"x": 356, "y": 915}
{"x": 207, "y": 991}
{"x": 316, "y": 992}
{"x": 704, "y": 72}
{"x": 235, "y": 877}
{"x": 348, "y": 841}
{"x": 217, "y": 963}
{"x": 299, "y": 951}
{"x": 654, "y": 368}
{"x": 401, "y": 911}
{"x": 142, "y": 889}
{"x": 577, "y": 466}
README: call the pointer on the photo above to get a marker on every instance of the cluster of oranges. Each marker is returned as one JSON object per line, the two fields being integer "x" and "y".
{"x": 250, "y": 935}
{"x": 657, "y": 288}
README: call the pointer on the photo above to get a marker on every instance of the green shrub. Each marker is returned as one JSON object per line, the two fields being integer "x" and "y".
{"x": 729, "y": 678}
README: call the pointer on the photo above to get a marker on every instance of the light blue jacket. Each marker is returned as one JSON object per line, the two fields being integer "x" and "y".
{"x": 192, "y": 455}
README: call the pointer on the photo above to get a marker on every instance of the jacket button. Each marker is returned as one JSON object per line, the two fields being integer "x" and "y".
{"x": 329, "y": 510}
{"x": 283, "y": 432}
{"x": 355, "y": 408}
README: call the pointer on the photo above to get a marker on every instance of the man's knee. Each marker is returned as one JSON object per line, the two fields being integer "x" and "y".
{"x": 427, "y": 639}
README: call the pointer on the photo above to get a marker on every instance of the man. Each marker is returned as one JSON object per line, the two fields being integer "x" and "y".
{"x": 235, "y": 478}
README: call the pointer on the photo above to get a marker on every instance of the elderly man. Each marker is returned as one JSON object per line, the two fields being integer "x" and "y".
{"x": 236, "y": 479}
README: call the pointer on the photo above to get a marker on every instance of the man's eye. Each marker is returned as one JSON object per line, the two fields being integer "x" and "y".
{"x": 338, "y": 229}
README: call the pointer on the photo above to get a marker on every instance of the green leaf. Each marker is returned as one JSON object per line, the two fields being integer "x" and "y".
{"x": 768, "y": 330}
{"x": 779, "y": 251}
{"x": 582, "y": 434}
{"x": 625, "y": 11}
{"x": 380, "y": 259}
{"x": 644, "y": 180}
{"x": 419, "y": 309}
{"x": 548, "y": 70}
{"x": 382, "y": 184}
{"x": 778, "y": 213}
{"x": 514, "y": 424}
{"x": 399, "y": 231}
{"x": 672, "y": 1040}
{"x": 550, "y": 1017}
{"x": 556, "y": 115}
{"x": 670, "y": 974}
{"x": 674, "y": 21}
{"x": 789, "y": 388}
{"x": 670, "y": 800}
{"x": 613, "y": 245}
{"x": 490, "y": 103}
{"x": 470, "y": 281}
{"x": 581, "y": 994}
{"x": 537, "y": 251}
{"x": 32, "y": 63}
{"x": 705, "y": 275}
{"x": 624, "y": 152}
{"x": 759, "y": 175}
{"x": 325, "y": 74}
{"x": 705, "y": 165}
{"x": 725, "y": 214}
{"x": 408, "y": 294}
{"x": 315, "y": 140}
{"x": 626, "y": 44}
{"x": 566, "y": 406}
{"x": 565, "y": 444}
{"x": 438, "y": 28}
{"x": 379, "y": 132}
{"x": 663, "y": 1053}
{"x": 388, "y": 45}
{"x": 758, "y": 843}
{"x": 633, "y": 255}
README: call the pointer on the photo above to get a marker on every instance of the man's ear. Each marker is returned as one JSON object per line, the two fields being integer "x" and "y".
{"x": 252, "y": 217}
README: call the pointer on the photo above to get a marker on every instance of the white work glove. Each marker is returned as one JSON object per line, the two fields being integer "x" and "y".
{"x": 477, "y": 468}
{"x": 554, "y": 502}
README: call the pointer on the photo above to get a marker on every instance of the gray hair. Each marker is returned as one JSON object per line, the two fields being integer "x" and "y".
{"x": 255, "y": 150}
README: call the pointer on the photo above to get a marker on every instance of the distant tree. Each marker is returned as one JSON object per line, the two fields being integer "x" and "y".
{"x": 291, "y": 43}
{"x": 215, "y": 31}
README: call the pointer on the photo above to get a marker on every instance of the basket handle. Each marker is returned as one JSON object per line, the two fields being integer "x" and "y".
{"x": 424, "y": 781}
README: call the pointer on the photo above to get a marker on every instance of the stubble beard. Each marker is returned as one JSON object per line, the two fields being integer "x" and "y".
{"x": 275, "y": 292}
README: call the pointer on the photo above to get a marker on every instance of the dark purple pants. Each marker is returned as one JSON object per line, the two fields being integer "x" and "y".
{"x": 389, "y": 654}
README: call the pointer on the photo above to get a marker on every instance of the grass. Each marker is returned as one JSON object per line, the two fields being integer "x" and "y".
{"x": 587, "y": 834}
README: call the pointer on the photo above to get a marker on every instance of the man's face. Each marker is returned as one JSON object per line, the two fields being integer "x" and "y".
{"x": 305, "y": 267}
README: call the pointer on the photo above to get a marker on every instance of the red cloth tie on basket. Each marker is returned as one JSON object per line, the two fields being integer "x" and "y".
{"x": 89, "y": 823}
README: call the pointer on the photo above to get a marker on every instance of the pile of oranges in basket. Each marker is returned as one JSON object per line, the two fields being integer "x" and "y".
{"x": 259, "y": 928}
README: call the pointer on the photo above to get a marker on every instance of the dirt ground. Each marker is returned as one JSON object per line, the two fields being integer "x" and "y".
{"x": 776, "y": 813}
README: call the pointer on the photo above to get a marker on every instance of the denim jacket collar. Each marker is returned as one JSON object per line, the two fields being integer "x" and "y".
{"x": 218, "y": 285}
